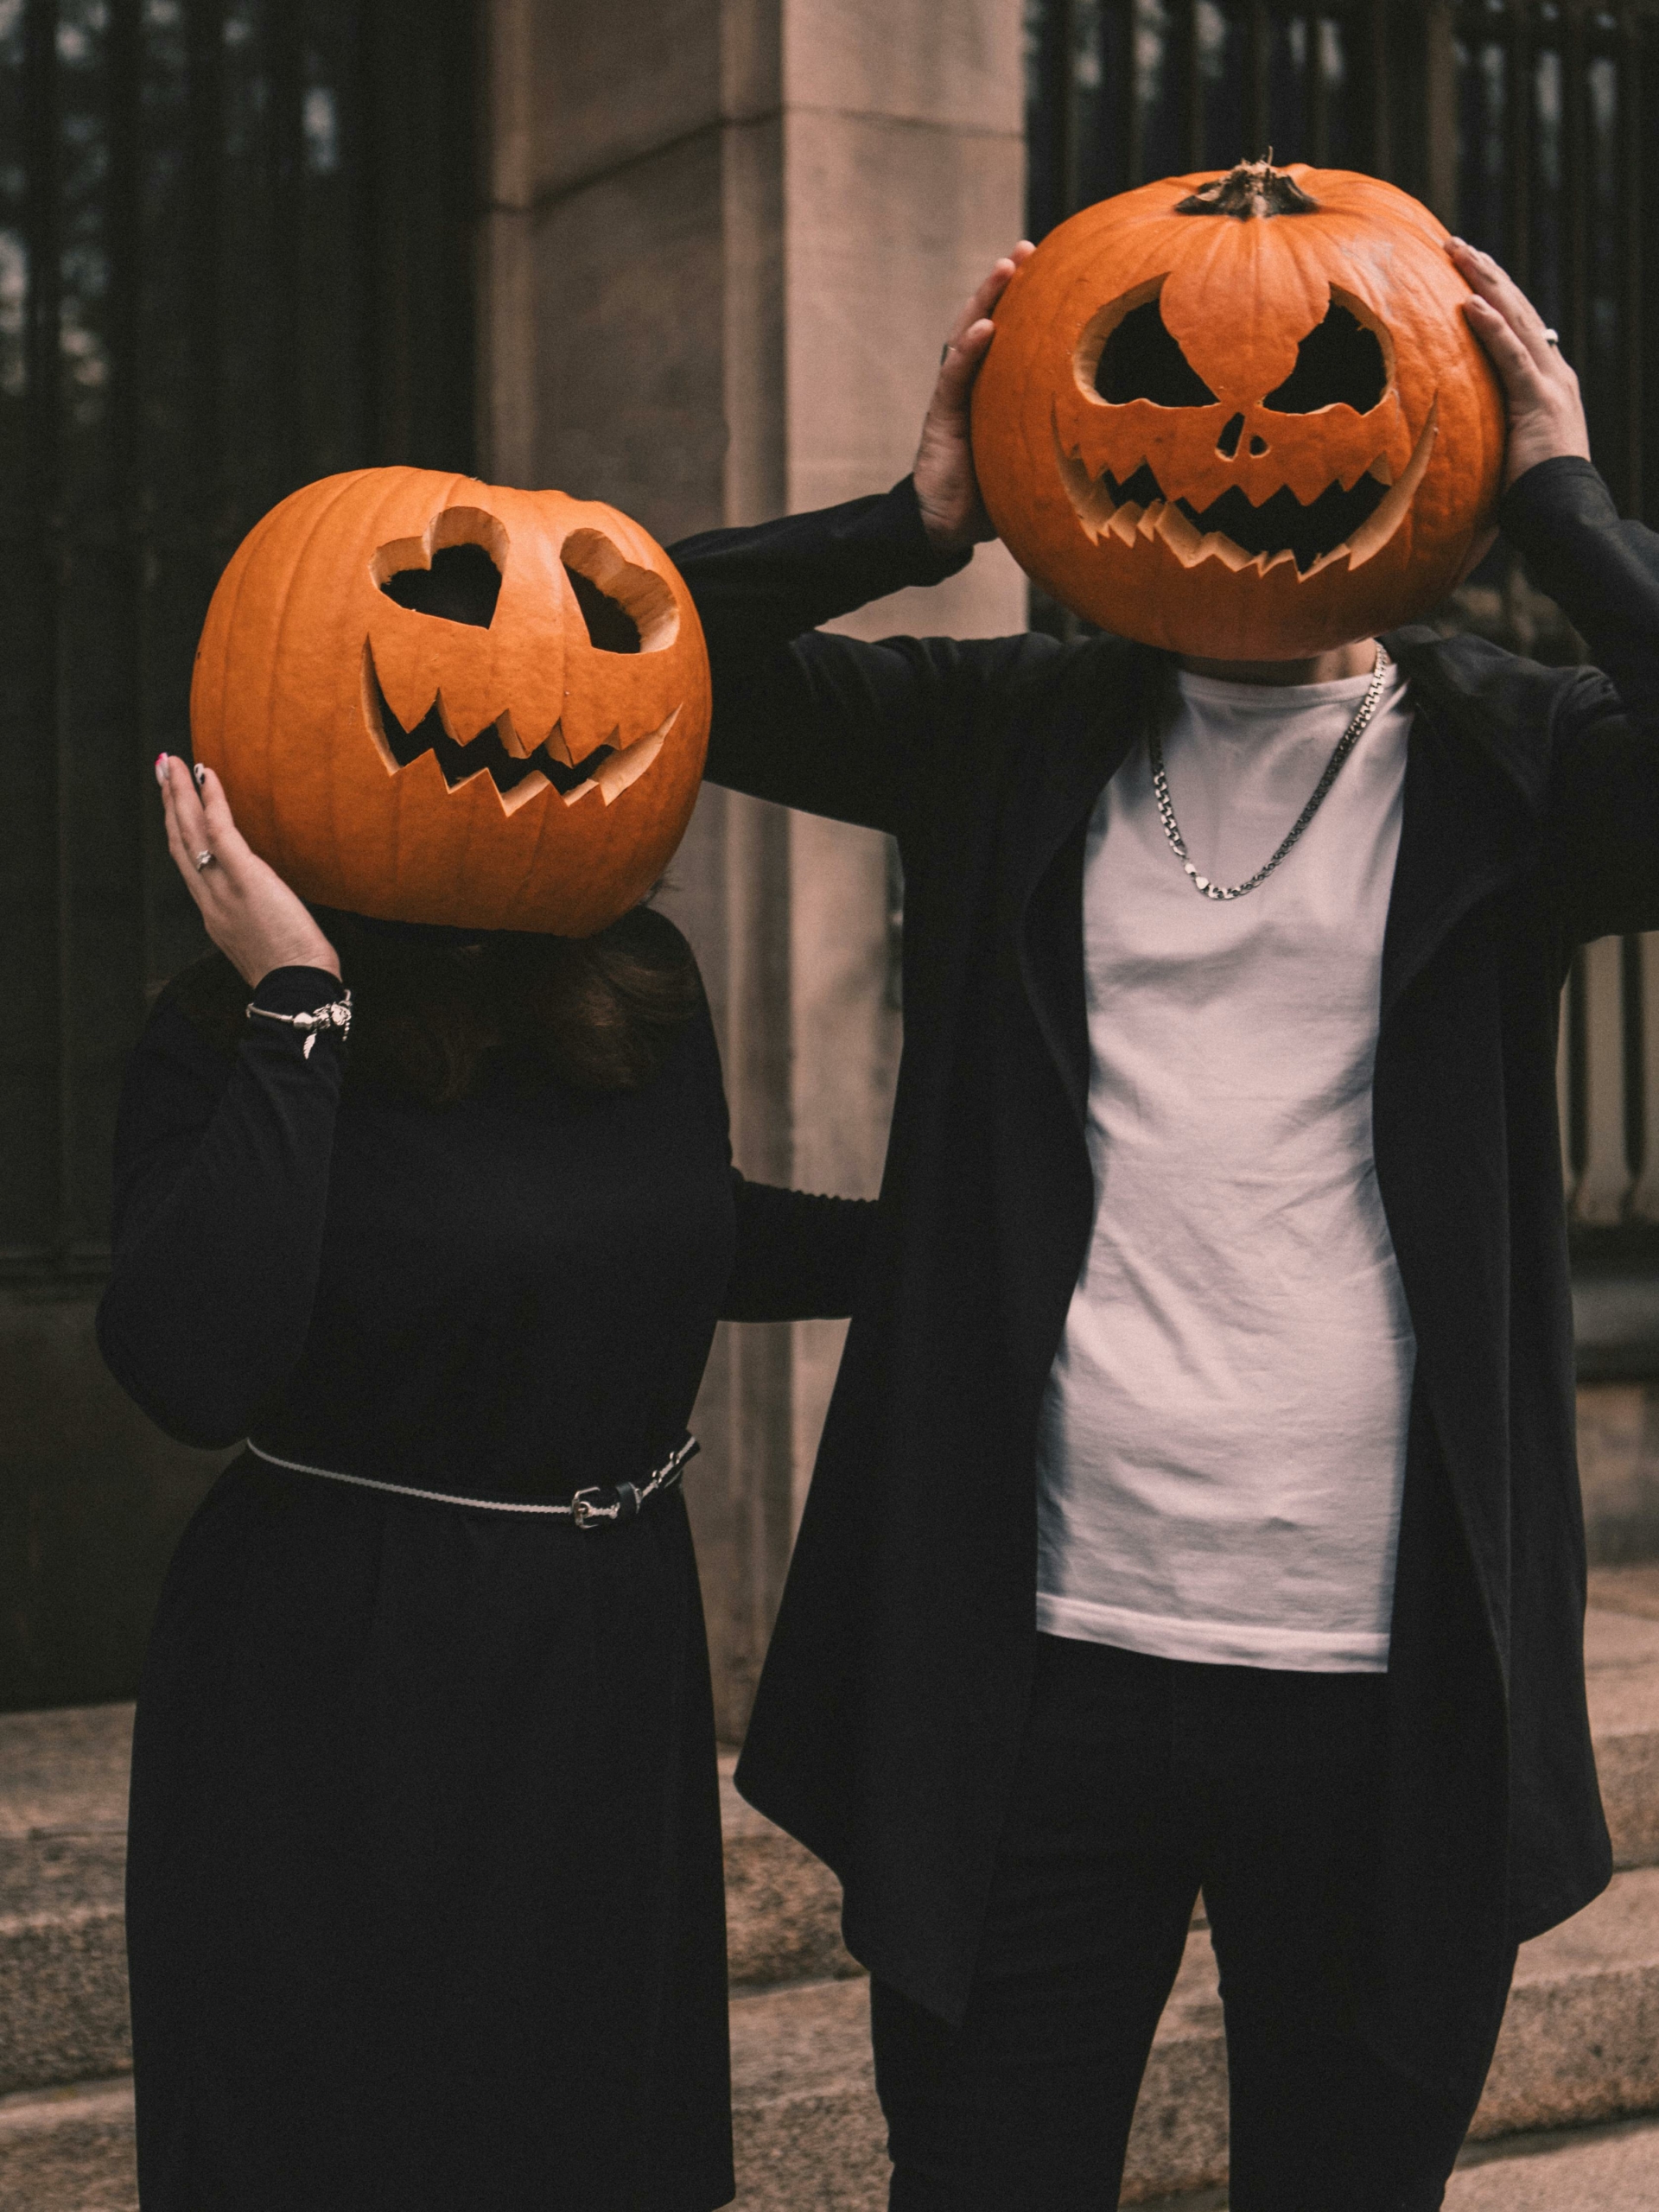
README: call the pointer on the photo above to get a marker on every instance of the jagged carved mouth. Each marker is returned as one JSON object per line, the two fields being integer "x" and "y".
{"x": 518, "y": 774}
{"x": 1351, "y": 523}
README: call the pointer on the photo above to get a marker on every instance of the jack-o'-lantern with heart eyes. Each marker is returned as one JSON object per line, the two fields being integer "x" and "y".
{"x": 432, "y": 700}
{"x": 1241, "y": 417}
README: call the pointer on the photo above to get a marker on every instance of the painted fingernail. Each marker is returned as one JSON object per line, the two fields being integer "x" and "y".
{"x": 201, "y": 775}
{"x": 161, "y": 768}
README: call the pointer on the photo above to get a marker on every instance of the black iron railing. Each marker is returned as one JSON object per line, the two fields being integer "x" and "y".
{"x": 236, "y": 242}
{"x": 1529, "y": 126}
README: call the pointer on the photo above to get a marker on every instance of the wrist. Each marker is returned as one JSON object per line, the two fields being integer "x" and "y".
{"x": 316, "y": 957}
{"x": 1526, "y": 454}
{"x": 296, "y": 987}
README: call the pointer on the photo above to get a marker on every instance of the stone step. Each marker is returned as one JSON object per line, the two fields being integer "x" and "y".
{"x": 1613, "y": 2169}
{"x": 71, "y": 2150}
{"x": 63, "y": 1968}
{"x": 1621, "y": 1650}
{"x": 1580, "y": 2044}
{"x": 62, "y": 1811}
{"x": 68, "y": 2150}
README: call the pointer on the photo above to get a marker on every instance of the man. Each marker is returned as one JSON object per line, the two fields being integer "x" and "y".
{"x": 1198, "y": 1506}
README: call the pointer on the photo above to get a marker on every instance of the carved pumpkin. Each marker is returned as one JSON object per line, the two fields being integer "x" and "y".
{"x": 431, "y": 700}
{"x": 1241, "y": 417}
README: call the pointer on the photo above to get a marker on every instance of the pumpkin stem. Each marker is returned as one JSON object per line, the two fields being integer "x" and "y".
{"x": 1250, "y": 188}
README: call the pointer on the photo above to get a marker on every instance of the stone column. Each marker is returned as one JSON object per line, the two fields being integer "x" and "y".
{"x": 723, "y": 240}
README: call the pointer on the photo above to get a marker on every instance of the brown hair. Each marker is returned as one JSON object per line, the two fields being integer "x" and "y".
{"x": 433, "y": 1010}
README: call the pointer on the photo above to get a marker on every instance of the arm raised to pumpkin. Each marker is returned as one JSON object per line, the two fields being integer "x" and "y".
{"x": 799, "y": 1257}
{"x": 830, "y": 724}
{"x": 1603, "y": 811}
{"x": 221, "y": 1180}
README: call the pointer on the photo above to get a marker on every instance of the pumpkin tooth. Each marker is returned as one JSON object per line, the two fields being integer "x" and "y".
{"x": 628, "y": 767}
{"x": 1187, "y": 544}
{"x": 1090, "y": 499}
{"x": 1373, "y": 534}
{"x": 512, "y": 800}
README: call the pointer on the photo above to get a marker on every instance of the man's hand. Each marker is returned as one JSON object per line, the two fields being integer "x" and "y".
{"x": 953, "y": 514}
{"x": 1546, "y": 413}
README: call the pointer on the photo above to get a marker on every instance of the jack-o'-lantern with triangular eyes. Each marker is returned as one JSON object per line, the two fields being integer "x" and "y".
{"x": 1241, "y": 417}
{"x": 433, "y": 700}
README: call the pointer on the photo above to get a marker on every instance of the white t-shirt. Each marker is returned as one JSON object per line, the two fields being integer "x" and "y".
{"x": 1221, "y": 1447}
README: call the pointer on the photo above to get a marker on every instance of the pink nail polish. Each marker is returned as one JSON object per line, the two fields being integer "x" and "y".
{"x": 161, "y": 768}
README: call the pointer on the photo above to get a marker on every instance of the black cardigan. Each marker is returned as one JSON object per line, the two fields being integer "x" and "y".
{"x": 888, "y": 1719}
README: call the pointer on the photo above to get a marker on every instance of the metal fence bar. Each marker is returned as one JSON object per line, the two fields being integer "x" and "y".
{"x": 1631, "y": 303}
{"x": 1644, "y": 1199}
{"x": 1376, "y": 149}
{"x": 1518, "y": 148}
{"x": 1564, "y": 1091}
{"x": 1439, "y": 185}
{"x": 43, "y": 307}
{"x": 1605, "y": 1181}
{"x": 123, "y": 84}
{"x": 1258, "y": 81}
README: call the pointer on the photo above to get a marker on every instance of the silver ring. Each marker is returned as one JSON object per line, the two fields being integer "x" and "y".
{"x": 1552, "y": 338}
{"x": 205, "y": 860}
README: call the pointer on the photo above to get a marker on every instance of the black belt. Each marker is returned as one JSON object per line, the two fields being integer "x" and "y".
{"x": 587, "y": 1508}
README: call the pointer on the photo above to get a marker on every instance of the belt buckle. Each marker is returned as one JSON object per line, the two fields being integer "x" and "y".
{"x": 584, "y": 1513}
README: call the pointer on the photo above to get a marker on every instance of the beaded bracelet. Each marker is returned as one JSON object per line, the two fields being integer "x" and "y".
{"x": 335, "y": 1016}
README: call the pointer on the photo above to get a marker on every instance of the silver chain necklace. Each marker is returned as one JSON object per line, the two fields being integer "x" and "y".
{"x": 1346, "y": 745}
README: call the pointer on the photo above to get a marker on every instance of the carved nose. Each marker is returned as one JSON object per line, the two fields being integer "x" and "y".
{"x": 1227, "y": 443}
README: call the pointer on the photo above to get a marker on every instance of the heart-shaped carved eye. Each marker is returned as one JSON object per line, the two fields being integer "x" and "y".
{"x": 1339, "y": 360}
{"x": 453, "y": 570}
{"x": 626, "y": 609}
{"x": 462, "y": 584}
{"x": 1141, "y": 361}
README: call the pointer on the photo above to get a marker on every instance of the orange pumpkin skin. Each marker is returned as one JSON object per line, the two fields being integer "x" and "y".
{"x": 301, "y": 647}
{"x": 1237, "y": 293}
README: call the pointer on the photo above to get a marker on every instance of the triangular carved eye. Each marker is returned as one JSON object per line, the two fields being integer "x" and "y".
{"x": 1141, "y": 361}
{"x": 1339, "y": 360}
{"x": 462, "y": 584}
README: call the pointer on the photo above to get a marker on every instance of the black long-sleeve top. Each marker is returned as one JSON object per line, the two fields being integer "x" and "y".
{"x": 514, "y": 1293}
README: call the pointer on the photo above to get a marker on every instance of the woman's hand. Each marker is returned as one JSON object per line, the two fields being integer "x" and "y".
{"x": 252, "y": 916}
{"x": 953, "y": 514}
{"x": 1546, "y": 412}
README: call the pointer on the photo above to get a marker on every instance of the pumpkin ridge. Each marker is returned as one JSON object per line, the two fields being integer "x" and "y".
{"x": 393, "y": 484}
{"x": 319, "y": 515}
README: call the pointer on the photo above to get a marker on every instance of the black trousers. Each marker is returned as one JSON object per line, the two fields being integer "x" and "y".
{"x": 1140, "y": 1782}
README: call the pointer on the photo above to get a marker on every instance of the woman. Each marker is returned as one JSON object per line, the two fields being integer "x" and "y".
{"x": 424, "y": 1897}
